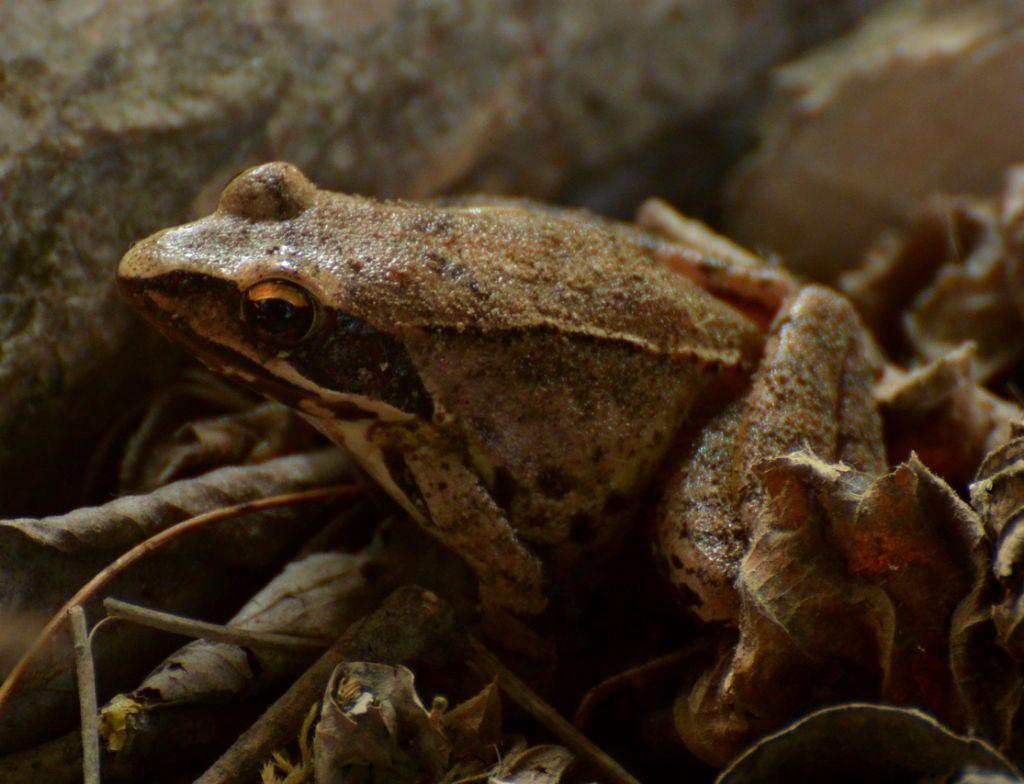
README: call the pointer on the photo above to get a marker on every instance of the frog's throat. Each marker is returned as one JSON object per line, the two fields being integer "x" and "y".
{"x": 344, "y": 418}
{"x": 353, "y": 435}
{"x": 277, "y": 379}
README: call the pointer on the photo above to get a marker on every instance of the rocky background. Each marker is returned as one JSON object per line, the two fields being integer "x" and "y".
{"x": 876, "y": 146}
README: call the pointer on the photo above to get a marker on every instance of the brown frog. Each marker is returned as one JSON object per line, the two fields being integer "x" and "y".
{"x": 519, "y": 378}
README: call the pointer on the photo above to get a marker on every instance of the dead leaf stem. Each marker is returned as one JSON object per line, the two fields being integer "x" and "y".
{"x": 214, "y": 632}
{"x": 143, "y": 549}
{"x": 412, "y": 623}
{"x": 87, "y": 702}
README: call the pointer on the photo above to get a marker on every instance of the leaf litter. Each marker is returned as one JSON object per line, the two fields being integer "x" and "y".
{"x": 887, "y": 589}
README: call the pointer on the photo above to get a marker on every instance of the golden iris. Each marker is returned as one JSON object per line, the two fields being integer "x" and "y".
{"x": 279, "y": 310}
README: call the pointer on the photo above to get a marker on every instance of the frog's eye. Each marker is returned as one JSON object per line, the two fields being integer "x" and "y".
{"x": 279, "y": 310}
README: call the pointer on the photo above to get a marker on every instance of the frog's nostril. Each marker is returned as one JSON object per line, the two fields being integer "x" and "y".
{"x": 271, "y": 191}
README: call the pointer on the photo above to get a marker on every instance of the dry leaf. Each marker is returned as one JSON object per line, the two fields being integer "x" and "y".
{"x": 850, "y": 589}
{"x": 939, "y": 284}
{"x": 940, "y": 413}
{"x": 998, "y": 496}
{"x": 411, "y": 627}
{"x": 46, "y": 560}
{"x": 179, "y": 437}
{"x": 55, "y": 761}
{"x": 971, "y": 775}
{"x": 373, "y": 727}
{"x": 475, "y": 724}
{"x": 546, "y": 764}
{"x": 315, "y": 597}
{"x": 205, "y": 682}
{"x": 876, "y": 743}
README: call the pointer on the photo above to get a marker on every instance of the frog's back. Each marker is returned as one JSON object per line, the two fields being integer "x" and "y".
{"x": 500, "y": 267}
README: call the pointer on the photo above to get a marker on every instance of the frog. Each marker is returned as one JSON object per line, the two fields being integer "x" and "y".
{"x": 529, "y": 383}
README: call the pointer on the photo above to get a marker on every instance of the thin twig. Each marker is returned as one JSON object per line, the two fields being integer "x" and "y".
{"x": 143, "y": 549}
{"x": 215, "y": 632}
{"x": 278, "y": 725}
{"x": 87, "y": 703}
{"x": 548, "y": 717}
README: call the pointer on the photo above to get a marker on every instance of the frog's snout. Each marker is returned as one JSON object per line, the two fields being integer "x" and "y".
{"x": 131, "y": 276}
{"x": 138, "y": 262}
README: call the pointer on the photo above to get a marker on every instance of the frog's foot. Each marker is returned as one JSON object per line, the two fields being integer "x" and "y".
{"x": 458, "y": 510}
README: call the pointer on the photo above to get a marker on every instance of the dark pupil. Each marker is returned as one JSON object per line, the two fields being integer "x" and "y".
{"x": 279, "y": 310}
{"x": 277, "y": 315}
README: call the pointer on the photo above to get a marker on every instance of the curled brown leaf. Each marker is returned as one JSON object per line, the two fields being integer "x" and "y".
{"x": 998, "y": 496}
{"x": 926, "y": 290}
{"x": 373, "y": 727}
{"x": 942, "y": 414}
{"x": 851, "y": 588}
{"x": 49, "y": 559}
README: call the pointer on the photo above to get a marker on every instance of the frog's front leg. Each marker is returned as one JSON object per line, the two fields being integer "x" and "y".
{"x": 812, "y": 390}
{"x": 460, "y": 512}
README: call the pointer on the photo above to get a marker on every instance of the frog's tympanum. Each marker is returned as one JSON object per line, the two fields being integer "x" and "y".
{"x": 523, "y": 380}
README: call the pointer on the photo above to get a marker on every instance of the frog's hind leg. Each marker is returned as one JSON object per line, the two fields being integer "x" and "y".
{"x": 814, "y": 387}
{"x": 699, "y": 534}
{"x": 812, "y": 390}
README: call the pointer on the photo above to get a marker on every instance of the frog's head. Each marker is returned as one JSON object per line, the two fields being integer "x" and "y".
{"x": 258, "y": 292}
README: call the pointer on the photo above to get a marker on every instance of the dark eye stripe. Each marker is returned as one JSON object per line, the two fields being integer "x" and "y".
{"x": 348, "y": 354}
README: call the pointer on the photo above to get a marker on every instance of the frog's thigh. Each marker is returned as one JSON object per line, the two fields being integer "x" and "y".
{"x": 812, "y": 390}
{"x": 699, "y": 532}
{"x": 464, "y": 516}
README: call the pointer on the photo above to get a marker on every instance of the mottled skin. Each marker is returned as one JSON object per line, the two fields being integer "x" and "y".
{"x": 516, "y": 376}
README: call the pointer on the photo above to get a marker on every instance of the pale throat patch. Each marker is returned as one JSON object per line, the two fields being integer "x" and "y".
{"x": 320, "y": 409}
{"x": 353, "y": 435}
